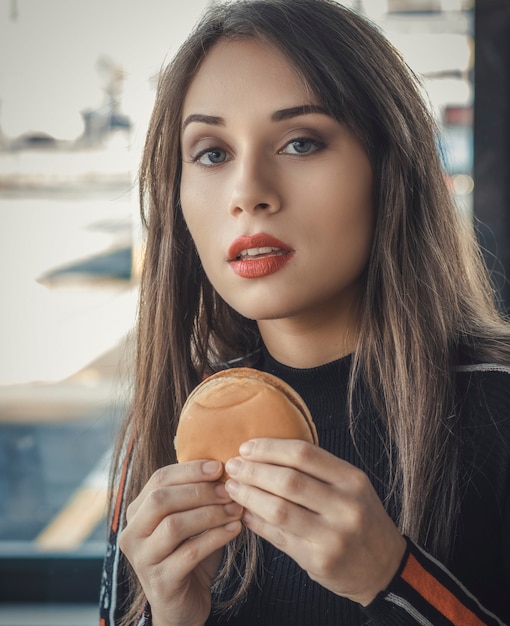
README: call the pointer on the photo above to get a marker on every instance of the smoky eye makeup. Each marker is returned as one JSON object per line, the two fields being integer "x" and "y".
{"x": 210, "y": 156}
{"x": 302, "y": 146}
{"x": 194, "y": 145}
{"x": 206, "y": 151}
{"x": 201, "y": 147}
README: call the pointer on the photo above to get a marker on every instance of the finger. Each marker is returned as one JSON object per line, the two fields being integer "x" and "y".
{"x": 278, "y": 536}
{"x": 290, "y": 528}
{"x": 273, "y": 512}
{"x": 300, "y": 455}
{"x": 343, "y": 510}
{"x": 177, "y": 474}
{"x": 322, "y": 482}
{"x": 286, "y": 482}
{"x": 180, "y": 528}
{"x": 195, "y": 551}
{"x": 162, "y": 502}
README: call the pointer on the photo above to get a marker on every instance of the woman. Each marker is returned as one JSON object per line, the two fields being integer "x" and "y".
{"x": 298, "y": 222}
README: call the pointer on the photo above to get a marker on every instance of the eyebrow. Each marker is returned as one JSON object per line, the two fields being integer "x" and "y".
{"x": 277, "y": 116}
{"x": 304, "y": 109}
{"x": 213, "y": 120}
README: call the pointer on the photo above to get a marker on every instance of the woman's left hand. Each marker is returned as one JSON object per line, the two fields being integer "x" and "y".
{"x": 321, "y": 511}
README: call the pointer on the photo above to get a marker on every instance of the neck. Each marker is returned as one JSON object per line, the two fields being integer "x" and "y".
{"x": 305, "y": 343}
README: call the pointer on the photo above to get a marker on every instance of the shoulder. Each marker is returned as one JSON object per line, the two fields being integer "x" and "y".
{"x": 484, "y": 383}
{"x": 483, "y": 403}
{"x": 483, "y": 368}
{"x": 483, "y": 411}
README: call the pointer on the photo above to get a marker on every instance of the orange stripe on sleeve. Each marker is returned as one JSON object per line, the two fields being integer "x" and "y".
{"x": 122, "y": 484}
{"x": 437, "y": 595}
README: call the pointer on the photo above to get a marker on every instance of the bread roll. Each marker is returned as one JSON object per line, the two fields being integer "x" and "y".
{"x": 235, "y": 405}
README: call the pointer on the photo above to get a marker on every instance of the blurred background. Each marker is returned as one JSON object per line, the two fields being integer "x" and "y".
{"x": 77, "y": 82}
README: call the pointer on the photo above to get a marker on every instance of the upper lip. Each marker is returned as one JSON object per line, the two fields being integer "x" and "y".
{"x": 260, "y": 240}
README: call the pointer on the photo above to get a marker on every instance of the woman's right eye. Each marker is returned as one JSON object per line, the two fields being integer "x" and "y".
{"x": 211, "y": 156}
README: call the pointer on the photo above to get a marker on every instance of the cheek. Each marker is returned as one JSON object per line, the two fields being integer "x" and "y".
{"x": 359, "y": 233}
{"x": 201, "y": 234}
{"x": 190, "y": 200}
{"x": 194, "y": 210}
{"x": 203, "y": 225}
{"x": 351, "y": 231}
{"x": 201, "y": 200}
{"x": 347, "y": 205}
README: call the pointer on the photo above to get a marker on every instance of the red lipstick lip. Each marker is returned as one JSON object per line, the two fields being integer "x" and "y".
{"x": 260, "y": 240}
{"x": 258, "y": 265}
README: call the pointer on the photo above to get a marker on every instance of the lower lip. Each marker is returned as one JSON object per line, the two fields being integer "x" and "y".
{"x": 263, "y": 266}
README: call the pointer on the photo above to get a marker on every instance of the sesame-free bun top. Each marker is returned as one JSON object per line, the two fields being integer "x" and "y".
{"x": 235, "y": 405}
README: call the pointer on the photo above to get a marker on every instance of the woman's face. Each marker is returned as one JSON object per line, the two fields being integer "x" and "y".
{"x": 276, "y": 193}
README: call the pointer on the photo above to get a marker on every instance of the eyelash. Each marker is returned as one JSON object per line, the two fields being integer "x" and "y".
{"x": 199, "y": 155}
{"x": 318, "y": 146}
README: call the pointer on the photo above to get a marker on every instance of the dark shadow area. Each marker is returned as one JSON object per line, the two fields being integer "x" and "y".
{"x": 50, "y": 579}
{"x": 492, "y": 139}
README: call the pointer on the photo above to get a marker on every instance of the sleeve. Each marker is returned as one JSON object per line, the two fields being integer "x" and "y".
{"x": 114, "y": 591}
{"x": 424, "y": 593}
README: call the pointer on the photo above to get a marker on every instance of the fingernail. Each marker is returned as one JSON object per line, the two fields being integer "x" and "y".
{"x": 232, "y": 487}
{"x": 220, "y": 491}
{"x": 211, "y": 467}
{"x": 232, "y": 508}
{"x": 233, "y": 466}
{"x": 231, "y": 526}
{"x": 247, "y": 448}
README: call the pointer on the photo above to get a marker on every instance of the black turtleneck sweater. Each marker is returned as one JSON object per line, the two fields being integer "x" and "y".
{"x": 424, "y": 592}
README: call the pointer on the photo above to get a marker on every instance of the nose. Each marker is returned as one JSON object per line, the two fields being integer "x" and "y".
{"x": 254, "y": 187}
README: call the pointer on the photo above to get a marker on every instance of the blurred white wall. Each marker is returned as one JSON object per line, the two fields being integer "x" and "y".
{"x": 49, "y": 51}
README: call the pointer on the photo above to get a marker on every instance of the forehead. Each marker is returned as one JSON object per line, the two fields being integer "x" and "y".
{"x": 245, "y": 72}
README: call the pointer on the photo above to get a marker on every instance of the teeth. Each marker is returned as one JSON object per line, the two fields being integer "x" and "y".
{"x": 257, "y": 251}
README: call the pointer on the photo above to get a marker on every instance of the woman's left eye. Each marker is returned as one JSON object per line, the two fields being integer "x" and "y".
{"x": 302, "y": 145}
{"x": 210, "y": 157}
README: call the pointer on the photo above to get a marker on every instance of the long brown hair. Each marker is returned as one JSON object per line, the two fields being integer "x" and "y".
{"x": 427, "y": 292}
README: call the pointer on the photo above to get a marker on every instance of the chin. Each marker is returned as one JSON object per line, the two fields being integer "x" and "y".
{"x": 263, "y": 304}
{"x": 261, "y": 313}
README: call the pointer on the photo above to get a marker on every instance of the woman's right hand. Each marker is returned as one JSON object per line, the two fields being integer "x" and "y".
{"x": 176, "y": 529}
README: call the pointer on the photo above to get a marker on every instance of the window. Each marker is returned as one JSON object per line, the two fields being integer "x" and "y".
{"x": 76, "y": 87}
